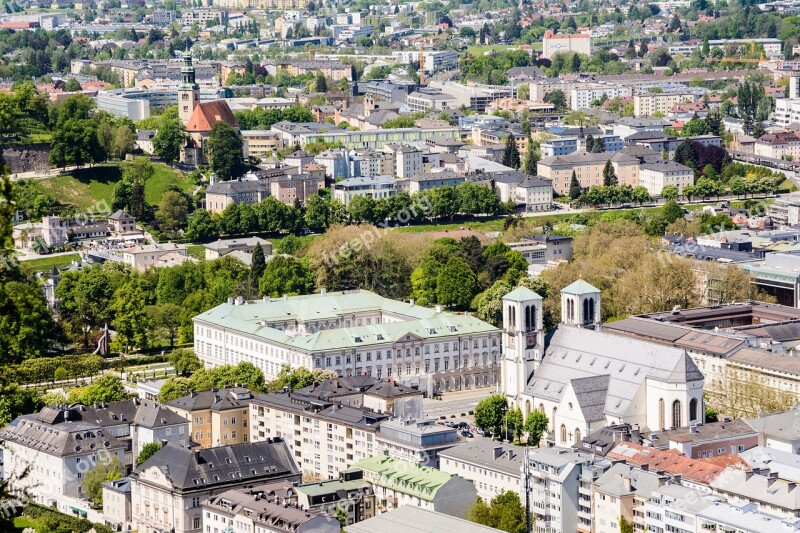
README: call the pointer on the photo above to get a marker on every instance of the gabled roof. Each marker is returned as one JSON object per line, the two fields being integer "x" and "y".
{"x": 206, "y": 114}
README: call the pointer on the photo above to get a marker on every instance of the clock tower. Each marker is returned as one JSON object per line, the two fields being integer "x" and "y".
{"x": 523, "y": 341}
{"x": 188, "y": 90}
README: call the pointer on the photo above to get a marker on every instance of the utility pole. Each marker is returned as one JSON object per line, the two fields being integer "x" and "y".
{"x": 526, "y": 470}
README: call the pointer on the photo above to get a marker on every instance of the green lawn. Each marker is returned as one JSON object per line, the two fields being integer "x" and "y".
{"x": 87, "y": 188}
{"x": 46, "y": 263}
{"x": 495, "y": 224}
{"x": 479, "y": 49}
{"x": 20, "y": 523}
{"x": 196, "y": 250}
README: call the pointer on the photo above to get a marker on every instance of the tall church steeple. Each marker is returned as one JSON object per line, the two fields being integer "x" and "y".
{"x": 523, "y": 341}
{"x": 188, "y": 91}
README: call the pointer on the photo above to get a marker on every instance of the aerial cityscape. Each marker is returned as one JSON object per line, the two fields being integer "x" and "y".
{"x": 438, "y": 266}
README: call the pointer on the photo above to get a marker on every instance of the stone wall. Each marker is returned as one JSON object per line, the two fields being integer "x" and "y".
{"x": 26, "y": 157}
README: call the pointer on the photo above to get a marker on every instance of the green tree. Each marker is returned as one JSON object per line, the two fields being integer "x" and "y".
{"x": 574, "y": 187}
{"x": 202, "y": 227}
{"x": 131, "y": 319}
{"x": 320, "y": 83}
{"x": 167, "y": 318}
{"x": 225, "y": 151}
{"x": 490, "y": 412}
{"x": 456, "y": 284}
{"x": 108, "y": 468}
{"x": 609, "y": 175}
{"x": 505, "y": 512}
{"x": 169, "y": 140}
{"x": 317, "y": 213}
{"x": 625, "y": 526}
{"x": 669, "y": 192}
{"x": 286, "y": 275}
{"x": 524, "y": 91}
{"x": 172, "y": 211}
{"x": 105, "y": 389}
{"x": 531, "y": 163}
{"x": 124, "y": 141}
{"x": 557, "y": 98}
{"x": 511, "y": 153}
{"x": 185, "y": 361}
{"x": 173, "y": 389}
{"x": 147, "y": 451}
{"x": 515, "y": 422}
{"x": 536, "y": 426}
{"x": 257, "y": 265}
{"x": 640, "y": 195}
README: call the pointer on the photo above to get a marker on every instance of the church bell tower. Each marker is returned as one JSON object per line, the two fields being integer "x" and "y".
{"x": 523, "y": 341}
{"x": 188, "y": 90}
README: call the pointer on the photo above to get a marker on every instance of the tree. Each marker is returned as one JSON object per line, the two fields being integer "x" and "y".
{"x": 531, "y": 163}
{"x": 166, "y": 317}
{"x": 505, "y": 512}
{"x": 511, "y": 153}
{"x": 299, "y": 377}
{"x": 640, "y": 195}
{"x": 320, "y": 83}
{"x": 574, "y": 187}
{"x": 105, "y": 389}
{"x": 107, "y": 468}
{"x": 490, "y": 412}
{"x": 225, "y": 151}
{"x": 124, "y": 141}
{"x": 286, "y": 275}
{"x": 72, "y": 85}
{"x": 185, "y": 361}
{"x": 172, "y": 211}
{"x": 147, "y": 451}
{"x": 169, "y": 140}
{"x": 317, "y": 213}
{"x": 258, "y": 264}
{"x": 669, "y": 192}
{"x": 557, "y": 98}
{"x": 173, "y": 389}
{"x": 456, "y": 284}
{"x": 524, "y": 91}
{"x": 625, "y": 526}
{"x": 609, "y": 175}
{"x": 536, "y": 426}
{"x": 671, "y": 211}
{"x": 515, "y": 422}
{"x": 202, "y": 227}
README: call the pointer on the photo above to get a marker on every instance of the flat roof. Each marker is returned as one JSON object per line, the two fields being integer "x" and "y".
{"x": 410, "y": 519}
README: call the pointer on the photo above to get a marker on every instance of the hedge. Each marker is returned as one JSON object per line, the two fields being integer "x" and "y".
{"x": 52, "y": 520}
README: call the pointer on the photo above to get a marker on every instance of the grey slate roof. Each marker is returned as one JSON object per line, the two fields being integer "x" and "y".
{"x": 214, "y": 399}
{"x": 410, "y": 519}
{"x": 223, "y": 465}
{"x": 489, "y": 454}
{"x": 591, "y": 393}
{"x": 237, "y": 187}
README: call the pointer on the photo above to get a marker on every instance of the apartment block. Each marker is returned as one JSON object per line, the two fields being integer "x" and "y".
{"x": 493, "y": 467}
{"x": 217, "y": 417}
{"x": 648, "y": 104}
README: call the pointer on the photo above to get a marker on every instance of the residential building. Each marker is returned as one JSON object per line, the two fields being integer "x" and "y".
{"x": 583, "y": 96}
{"x": 377, "y": 187}
{"x": 291, "y": 188}
{"x": 217, "y": 417}
{"x": 476, "y": 97}
{"x": 778, "y": 431}
{"x": 648, "y": 104}
{"x": 224, "y": 193}
{"x": 658, "y": 174}
{"x": 407, "y": 160}
{"x": 535, "y": 193}
{"x": 588, "y": 168}
{"x": 706, "y": 440}
{"x": 778, "y": 498}
{"x": 349, "y": 492}
{"x": 222, "y": 247}
{"x": 434, "y": 60}
{"x": 370, "y": 163}
{"x": 325, "y": 438}
{"x": 779, "y": 145}
{"x": 296, "y": 133}
{"x": 398, "y": 483}
{"x": 377, "y": 395}
{"x": 553, "y": 44}
{"x": 621, "y": 492}
{"x": 143, "y": 256}
{"x": 785, "y": 210}
{"x": 352, "y": 332}
{"x": 411, "y": 519}
{"x": 543, "y": 249}
{"x": 560, "y": 488}
{"x": 117, "y": 503}
{"x": 168, "y": 489}
{"x": 121, "y": 222}
{"x": 493, "y": 467}
{"x": 428, "y": 100}
{"x": 118, "y": 105}
{"x": 264, "y": 508}
{"x": 427, "y": 181}
{"x": 415, "y": 440}
{"x": 260, "y": 144}
{"x": 336, "y": 163}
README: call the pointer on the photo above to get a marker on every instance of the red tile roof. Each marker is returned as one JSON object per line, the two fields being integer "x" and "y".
{"x": 206, "y": 114}
{"x": 670, "y": 462}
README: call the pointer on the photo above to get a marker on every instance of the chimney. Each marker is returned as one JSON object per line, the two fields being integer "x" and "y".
{"x": 645, "y": 467}
{"x": 498, "y": 451}
{"x": 626, "y": 482}
{"x": 693, "y": 429}
{"x": 412, "y": 301}
{"x": 323, "y": 290}
{"x": 438, "y": 309}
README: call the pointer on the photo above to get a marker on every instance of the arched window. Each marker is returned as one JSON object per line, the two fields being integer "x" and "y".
{"x": 541, "y": 408}
{"x": 692, "y": 410}
{"x": 533, "y": 318}
{"x": 563, "y": 433}
{"x": 661, "y": 414}
{"x": 527, "y": 317}
{"x": 590, "y": 318}
{"x": 577, "y": 436}
{"x": 553, "y": 420}
{"x": 676, "y": 413}
{"x": 513, "y": 317}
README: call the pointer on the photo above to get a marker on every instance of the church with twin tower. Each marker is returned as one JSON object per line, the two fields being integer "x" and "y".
{"x": 584, "y": 379}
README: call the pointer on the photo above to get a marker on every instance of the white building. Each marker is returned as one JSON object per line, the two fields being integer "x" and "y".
{"x": 535, "y": 193}
{"x": 658, "y": 174}
{"x": 583, "y": 96}
{"x": 493, "y": 467}
{"x": 407, "y": 160}
{"x": 376, "y": 187}
{"x": 352, "y": 332}
{"x": 553, "y": 44}
{"x": 587, "y": 379}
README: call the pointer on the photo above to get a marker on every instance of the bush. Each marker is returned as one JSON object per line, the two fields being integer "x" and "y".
{"x": 52, "y": 520}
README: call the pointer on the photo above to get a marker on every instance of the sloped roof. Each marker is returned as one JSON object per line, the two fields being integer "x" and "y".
{"x": 521, "y": 294}
{"x": 591, "y": 393}
{"x": 670, "y": 462}
{"x": 206, "y": 114}
{"x": 579, "y": 287}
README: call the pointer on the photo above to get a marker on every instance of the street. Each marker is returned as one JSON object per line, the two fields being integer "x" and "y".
{"x": 456, "y": 403}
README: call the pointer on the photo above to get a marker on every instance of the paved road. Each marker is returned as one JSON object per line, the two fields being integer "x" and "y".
{"x": 455, "y": 403}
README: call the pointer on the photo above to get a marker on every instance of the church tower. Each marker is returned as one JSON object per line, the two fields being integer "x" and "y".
{"x": 188, "y": 90}
{"x": 523, "y": 341}
{"x": 580, "y": 304}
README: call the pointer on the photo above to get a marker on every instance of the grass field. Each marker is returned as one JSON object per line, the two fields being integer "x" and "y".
{"x": 196, "y": 250}
{"x": 480, "y": 49}
{"x": 46, "y": 263}
{"x": 87, "y": 188}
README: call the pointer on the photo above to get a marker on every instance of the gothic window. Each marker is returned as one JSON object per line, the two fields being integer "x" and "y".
{"x": 676, "y": 413}
{"x": 692, "y": 410}
{"x": 661, "y": 414}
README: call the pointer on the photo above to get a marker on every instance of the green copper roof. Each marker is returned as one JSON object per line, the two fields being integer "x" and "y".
{"x": 579, "y": 287}
{"x": 521, "y": 294}
{"x": 403, "y": 476}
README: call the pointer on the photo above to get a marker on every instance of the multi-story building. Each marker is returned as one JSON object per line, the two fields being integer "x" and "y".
{"x": 167, "y": 490}
{"x": 582, "y": 97}
{"x": 143, "y": 256}
{"x": 567, "y": 144}
{"x": 352, "y": 332}
{"x": 648, "y": 104}
{"x": 336, "y": 163}
{"x": 217, "y": 417}
{"x": 202, "y": 16}
{"x": 622, "y": 492}
{"x": 117, "y": 503}
{"x": 706, "y": 440}
{"x": 349, "y": 492}
{"x": 493, "y": 467}
{"x": 407, "y": 160}
{"x": 334, "y": 70}
{"x": 367, "y": 392}
{"x": 427, "y": 181}
{"x": 428, "y": 100}
{"x": 417, "y": 441}
{"x": 224, "y": 193}
{"x": 779, "y": 145}
{"x": 305, "y": 133}
{"x": 397, "y": 483}
{"x": 260, "y": 144}
{"x": 370, "y": 162}
{"x": 476, "y": 97}
{"x": 435, "y": 60}
{"x": 560, "y": 488}
{"x": 325, "y": 438}
{"x": 535, "y": 194}
{"x": 553, "y": 44}
{"x": 588, "y": 168}
{"x": 658, "y": 174}
{"x": 785, "y": 210}
{"x": 221, "y": 247}
{"x": 543, "y": 249}
{"x": 266, "y": 508}
{"x": 377, "y": 187}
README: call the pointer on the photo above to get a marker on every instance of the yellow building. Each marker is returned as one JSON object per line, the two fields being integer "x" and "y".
{"x": 217, "y": 417}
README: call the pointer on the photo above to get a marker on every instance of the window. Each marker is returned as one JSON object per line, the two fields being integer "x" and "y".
{"x": 196, "y": 522}
{"x": 676, "y": 413}
{"x": 692, "y": 410}
{"x": 661, "y": 414}
{"x": 563, "y": 433}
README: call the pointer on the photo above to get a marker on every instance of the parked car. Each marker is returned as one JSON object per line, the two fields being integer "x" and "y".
{"x": 483, "y": 432}
{"x": 468, "y": 434}
{"x": 450, "y": 424}
{"x": 462, "y": 425}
